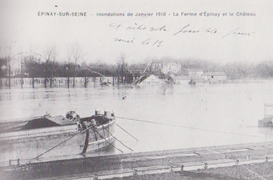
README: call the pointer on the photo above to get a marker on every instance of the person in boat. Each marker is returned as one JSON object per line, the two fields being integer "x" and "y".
{"x": 72, "y": 115}
{"x": 98, "y": 119}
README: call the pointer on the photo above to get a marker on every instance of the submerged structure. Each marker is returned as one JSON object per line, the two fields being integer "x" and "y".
{"x": 267, "y": 121}
{"x": 56, "y": 135}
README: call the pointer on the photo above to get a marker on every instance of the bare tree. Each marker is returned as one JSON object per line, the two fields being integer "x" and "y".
{"x": 77, "y": 55}
{"x": 50, "y": 65}
{"x": 6, "y": 52}
{"x": 122, "y": 68}
{"x": 85, "y": 72}
{"x": 69, "y": 58}
{"x": 32, "y": 64}
{"x": 74, "y": 54}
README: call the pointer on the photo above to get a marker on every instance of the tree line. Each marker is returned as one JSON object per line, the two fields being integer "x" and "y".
{"x": 48, "y": 67}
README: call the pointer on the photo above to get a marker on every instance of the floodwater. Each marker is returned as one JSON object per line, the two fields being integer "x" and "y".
{"x": 197, "y": 116}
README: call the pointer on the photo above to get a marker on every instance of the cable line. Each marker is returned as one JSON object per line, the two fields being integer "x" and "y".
{"x": 94, "y": 129}
{"x": 91, "y": 127}
{"x": 187, "y": 127}
{"x": 60, "y": 143}
{"x": 115, "y": 137}
{"x": 126, "y": 132}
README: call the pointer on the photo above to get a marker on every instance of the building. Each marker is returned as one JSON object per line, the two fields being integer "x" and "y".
{"x": 196, "y": 74}
{"x": 165, "y": 67}
{"x": 178, "y": 80}
{"x": 148, "y": 80}
{"x": 215, "y": 76}
{"x": 170, "y": 67}
{"x": 151, "y": 80}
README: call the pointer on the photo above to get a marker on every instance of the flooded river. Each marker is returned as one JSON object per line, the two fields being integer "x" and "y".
{"x": 199, "y": 116}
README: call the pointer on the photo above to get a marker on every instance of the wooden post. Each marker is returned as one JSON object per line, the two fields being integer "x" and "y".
{"x": 74, "y": 72}
{"x": 182, "y": 168}
{"x": 9, "y": 71}
{"x": 135, "y": 172}
{"x": 22, "y": 79}
{"x": 45, "y": 82}
{"x": 68, "y": 79}
{"x": 96, "y": 177}
{"x": 85, "y": 80}
{"x": 51, "y": 81}
{"x": 264, "y": 110}
{"x": 33, "y": 81}
{"x": 266, "y": 159}
{"x": 206, "y": 166}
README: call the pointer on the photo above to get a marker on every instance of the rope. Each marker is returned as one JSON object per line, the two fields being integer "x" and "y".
{"x": 92, "y": 71}
{"x": 187, "y": 127}
{"x": 126, "y": 131}
{"x": 106, "y": 139}
{"x": 91, "y": 127}
{"x": 61, "y": 143}
{"x": 115, "y": 137}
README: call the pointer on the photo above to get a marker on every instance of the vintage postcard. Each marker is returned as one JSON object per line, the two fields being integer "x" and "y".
{"x": 136, "y": 89}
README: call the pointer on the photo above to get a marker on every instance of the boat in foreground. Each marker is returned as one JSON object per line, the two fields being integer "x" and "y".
{"x": 56, "y": 135}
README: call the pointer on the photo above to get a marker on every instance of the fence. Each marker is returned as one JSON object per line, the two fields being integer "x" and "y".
{"x": 55, "y": 82}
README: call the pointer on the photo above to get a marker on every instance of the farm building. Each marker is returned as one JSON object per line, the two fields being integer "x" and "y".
{"x": 148, "y": 80}
{"x": 196, "y": 74}
{"x": 215, "y": 76}
{"x": 178, "y": 79}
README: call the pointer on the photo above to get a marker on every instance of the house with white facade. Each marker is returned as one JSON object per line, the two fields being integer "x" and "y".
{"x": 170, "y": 67}
{"x": 165, "y": 67}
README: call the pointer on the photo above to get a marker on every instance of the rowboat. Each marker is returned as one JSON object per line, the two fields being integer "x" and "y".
{"x": 56, "y": 135}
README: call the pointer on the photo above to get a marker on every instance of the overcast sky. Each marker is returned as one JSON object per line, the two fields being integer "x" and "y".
{"x": 103, "y": 38}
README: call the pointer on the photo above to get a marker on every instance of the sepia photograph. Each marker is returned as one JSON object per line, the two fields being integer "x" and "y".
{"x": 136, "y": 89}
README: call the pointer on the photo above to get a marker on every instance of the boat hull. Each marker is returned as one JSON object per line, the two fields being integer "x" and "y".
{"x": 55, "y": 141}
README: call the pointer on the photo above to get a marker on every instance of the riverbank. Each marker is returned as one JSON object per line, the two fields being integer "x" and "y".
{"x": 226, "y": 162}
{"x": 237, "y": 172}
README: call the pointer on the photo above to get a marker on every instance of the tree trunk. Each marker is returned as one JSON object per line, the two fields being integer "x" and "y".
{"x": 85, "y": 82}
{"x": 33, "y": 82}
{"x": 45, "y": 82}
{"x": 22, "y": 81}
{"x": 51, "y": 79}
{"x": 9, "y": 72}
